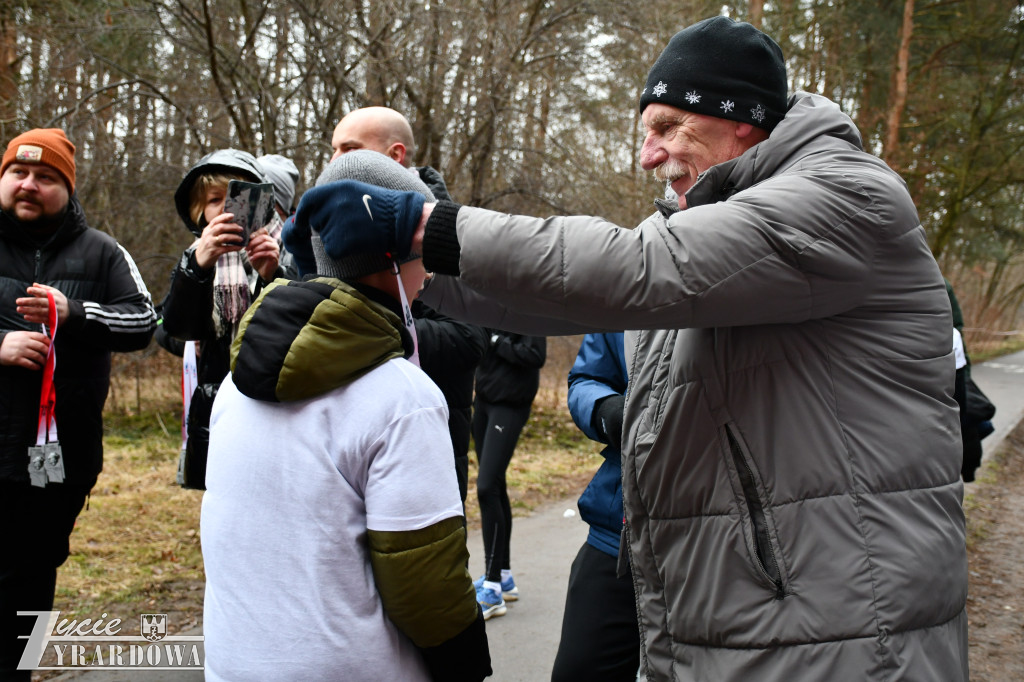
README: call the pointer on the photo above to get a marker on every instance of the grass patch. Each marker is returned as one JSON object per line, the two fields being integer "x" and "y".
{"x": 1011, "y": 345}
{"x": 138, "y": 540}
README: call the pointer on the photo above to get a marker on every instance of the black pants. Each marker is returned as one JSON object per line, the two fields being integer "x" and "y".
{"x": 600, "y": 636}
{"x": 496, "y": 430}
{"x": 36, "y": 526}
{"x": 968, "y": 428}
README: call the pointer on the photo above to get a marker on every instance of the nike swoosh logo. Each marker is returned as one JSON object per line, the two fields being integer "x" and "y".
{"x": 366, "y": 203}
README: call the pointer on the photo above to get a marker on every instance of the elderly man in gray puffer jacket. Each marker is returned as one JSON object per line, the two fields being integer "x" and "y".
{"x": 791, "y": 446}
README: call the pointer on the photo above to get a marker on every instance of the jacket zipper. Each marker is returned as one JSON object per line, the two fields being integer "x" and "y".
{"x": 762, "y": 541}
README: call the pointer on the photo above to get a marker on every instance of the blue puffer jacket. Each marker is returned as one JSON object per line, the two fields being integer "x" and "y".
{"x": 600, "y": 371}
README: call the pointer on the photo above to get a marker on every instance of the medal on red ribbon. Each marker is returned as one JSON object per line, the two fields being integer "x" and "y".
{"x": 45, "y": 462}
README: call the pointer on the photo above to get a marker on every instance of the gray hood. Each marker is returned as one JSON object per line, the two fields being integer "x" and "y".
{"x": 233, "y": 161}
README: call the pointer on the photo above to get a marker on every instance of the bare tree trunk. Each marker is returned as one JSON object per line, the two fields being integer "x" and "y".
{"x": 898, "y": 91}
{"x": 8, "y": 73}
{"x": 756, "y": 13}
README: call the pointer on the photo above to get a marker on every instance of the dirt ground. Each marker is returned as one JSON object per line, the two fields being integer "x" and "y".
{"x": 995, "y": 593}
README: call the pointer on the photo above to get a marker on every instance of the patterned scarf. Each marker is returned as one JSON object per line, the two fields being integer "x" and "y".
{"x": 232, "y": 285}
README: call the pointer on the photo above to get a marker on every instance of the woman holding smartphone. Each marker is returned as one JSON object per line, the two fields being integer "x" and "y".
{"x": 212, "y": 285}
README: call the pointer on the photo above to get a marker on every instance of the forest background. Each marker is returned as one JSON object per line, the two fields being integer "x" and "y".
{"x": 525, "y": 106}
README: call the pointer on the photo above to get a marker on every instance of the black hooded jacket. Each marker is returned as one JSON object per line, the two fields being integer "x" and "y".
{"x": 187, "y": 310}
{"x": 109, "y": 310}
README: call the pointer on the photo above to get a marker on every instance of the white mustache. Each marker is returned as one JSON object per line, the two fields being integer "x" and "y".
{"x": 670, "y": 170}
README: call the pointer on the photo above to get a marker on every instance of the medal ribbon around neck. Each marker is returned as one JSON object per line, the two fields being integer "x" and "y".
{"x": 47, "y": 431}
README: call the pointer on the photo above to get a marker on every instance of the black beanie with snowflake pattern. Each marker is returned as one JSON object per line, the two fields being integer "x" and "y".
{"x": 723, "y": 68}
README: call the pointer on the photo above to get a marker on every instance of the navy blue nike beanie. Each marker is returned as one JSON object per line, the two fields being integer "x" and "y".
{"x": 326, "y": 223}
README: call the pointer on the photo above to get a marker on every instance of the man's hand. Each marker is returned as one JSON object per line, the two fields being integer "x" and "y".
{"x": 608, "y": 415}
{"x": 25, "y": 349}
{"x": 36, "y": 308}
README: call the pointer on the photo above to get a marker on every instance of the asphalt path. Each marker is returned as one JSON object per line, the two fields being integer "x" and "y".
{"x": 1002, "y": 380}
{"x": 523, "y": 642}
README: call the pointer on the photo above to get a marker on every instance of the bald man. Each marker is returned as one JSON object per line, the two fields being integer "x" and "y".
{"x": 384, "y": 130}
{"x": 449, "y": 350}
{"x": 380, "y": 129}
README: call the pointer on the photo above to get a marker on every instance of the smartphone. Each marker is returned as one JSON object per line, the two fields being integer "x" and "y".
{"x": 252, "y": 204}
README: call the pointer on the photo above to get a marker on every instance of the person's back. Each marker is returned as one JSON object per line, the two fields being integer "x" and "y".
{"x": 292, "y": 488}
{"x": 332, "y": 515}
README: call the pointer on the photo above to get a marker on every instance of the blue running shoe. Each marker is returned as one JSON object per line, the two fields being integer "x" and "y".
{"x": 490, "y": 602}
{"x": 509, "y": 591}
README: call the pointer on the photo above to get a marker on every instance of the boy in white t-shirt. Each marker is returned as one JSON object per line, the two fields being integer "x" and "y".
{"x": 332, "y": 526}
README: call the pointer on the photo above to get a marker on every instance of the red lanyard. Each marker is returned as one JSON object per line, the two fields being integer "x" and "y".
{"x": 48, "y": 398}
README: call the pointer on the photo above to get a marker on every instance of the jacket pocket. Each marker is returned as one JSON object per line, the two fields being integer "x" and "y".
{"x": 761, "y": 526}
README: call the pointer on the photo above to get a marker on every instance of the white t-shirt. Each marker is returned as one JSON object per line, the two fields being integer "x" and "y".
{"x": 291, "y": 490}
{"x": 958, "y": 349}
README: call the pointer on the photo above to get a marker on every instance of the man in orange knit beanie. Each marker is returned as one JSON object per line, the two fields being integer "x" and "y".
{"x": 52, "y": 263}
{"x": 48, "y": 146}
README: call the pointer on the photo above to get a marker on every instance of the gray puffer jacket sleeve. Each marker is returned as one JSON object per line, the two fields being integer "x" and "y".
{"x": 793, "y": 248}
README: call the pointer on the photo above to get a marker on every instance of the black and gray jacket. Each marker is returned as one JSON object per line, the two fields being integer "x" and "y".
{"x": 109, "y": 310}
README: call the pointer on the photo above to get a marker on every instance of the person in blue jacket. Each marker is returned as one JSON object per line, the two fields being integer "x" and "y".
{"x": 600, "y": 635}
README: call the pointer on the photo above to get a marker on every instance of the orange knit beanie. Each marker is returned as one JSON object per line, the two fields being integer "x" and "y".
{"x": 43, "y": 145}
